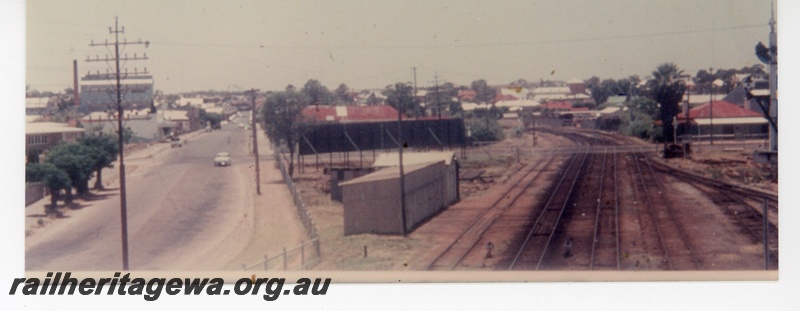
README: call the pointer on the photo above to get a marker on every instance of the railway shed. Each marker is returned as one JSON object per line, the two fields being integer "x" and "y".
{"x": 450, "y": 172}
{"x": 372, "y": 203}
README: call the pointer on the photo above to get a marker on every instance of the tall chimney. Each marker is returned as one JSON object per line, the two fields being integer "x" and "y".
{"x": 76, "y": 97}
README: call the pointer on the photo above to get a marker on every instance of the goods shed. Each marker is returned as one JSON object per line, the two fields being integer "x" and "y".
{"x": 372, "y": 202}
{"x": 450, "y": 170}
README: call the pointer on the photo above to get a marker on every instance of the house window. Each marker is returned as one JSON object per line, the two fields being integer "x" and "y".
{"x": 37, "y": 139}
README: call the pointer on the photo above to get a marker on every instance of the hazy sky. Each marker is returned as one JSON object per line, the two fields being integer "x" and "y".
{"x": 231, "y": 45}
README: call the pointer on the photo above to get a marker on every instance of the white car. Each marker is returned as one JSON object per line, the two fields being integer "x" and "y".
{"x": 222, "y": 159}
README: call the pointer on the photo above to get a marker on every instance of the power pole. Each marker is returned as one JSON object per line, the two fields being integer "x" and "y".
{"x": 415, "y": 82}
{"x": 253, "y": 94}
{"x": 438, "y": 108}
{"x": 120, "y": 113}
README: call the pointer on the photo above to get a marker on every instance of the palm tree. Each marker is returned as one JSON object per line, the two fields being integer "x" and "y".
{"x": 667, "y": 89}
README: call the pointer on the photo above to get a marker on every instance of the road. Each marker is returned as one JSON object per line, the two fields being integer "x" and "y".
{"x": 183, "y": 213}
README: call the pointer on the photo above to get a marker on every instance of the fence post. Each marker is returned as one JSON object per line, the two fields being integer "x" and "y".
{"x": 316, "y": 247}
{"x": 302, "y": 254}
{"x": 266, "y": 262}
{"x": 244, "y": 266}
{"x": 284, "y": 259}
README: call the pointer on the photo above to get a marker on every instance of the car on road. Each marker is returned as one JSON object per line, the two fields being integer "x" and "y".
{"x": 222, "y": 159}
{"x": 176, "y": 142}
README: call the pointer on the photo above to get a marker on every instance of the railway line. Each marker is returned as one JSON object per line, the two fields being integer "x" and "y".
{"x": 670, "y": 235}
{"x": 467, "y": 241}
{"x": 583, "y": 221}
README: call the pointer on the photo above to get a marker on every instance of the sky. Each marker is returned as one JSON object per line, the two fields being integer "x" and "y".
{"x": 237, "y": 45}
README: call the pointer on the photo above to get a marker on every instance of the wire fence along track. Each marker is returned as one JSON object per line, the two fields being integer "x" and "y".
{"x": 533, "y": 249}
{"x": 605, "y": 238}
{"x": 466, "y": 242}
{"x": 677, "y": 251}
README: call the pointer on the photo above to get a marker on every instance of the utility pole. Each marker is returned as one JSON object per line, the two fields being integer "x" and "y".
{"x": 400, "y": 146}
{"x": 120, "y": 114}
{"x": 415, "y": 82}
{"x": 438, "y": 108}
{"x": 253, "y": 93}
{"x": 773, "y": 81}
{"x": 711, "y": 103}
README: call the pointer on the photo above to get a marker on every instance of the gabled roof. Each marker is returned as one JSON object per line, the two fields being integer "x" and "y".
{"x": 557, "y": 105}
{"x": 175, "y": 115}
{"x": 50, "y": 127}
{"x": 721, "y": 109}
{"x": 37, "y": 102}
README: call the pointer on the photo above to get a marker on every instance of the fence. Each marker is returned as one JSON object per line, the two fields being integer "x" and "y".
{"x": 296, "y": 256}
{"x": 34, "y": 192}
{"x": 305, "y": 218}
{"x": 302, "y": 211}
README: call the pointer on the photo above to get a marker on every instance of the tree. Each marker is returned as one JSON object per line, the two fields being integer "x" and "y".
{"x": 645, "y": 106}
{"x": 343, "y": 94}
{"x": 127, "y": 135}
{"x": 483, "y": 92}
{"x": 75, "y": 160}
{"x": 373, "y": 100}
{"x": 400, "y": 96}
{"x": 283, "y": 120}
{"x": 104, "y": 150}
{"x": 53, "y": 178}
{"x": 316, "y": 92}
{"x": 667, "y": 89}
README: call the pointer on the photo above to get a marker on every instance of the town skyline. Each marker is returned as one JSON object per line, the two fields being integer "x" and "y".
{"x": 271, "y": 45}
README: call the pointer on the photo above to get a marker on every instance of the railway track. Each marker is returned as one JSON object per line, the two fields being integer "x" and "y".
{"x": 605, "y": 251}
{"x": 533, "y": 249}
{"x": 583, "y": 207}
{"x": 671, "y": 238}
{"x": 744, "y": 206}
{"x": 467, "y": 241}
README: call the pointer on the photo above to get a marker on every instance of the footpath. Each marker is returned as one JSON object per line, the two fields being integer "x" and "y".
{"x": 276, "y": 225}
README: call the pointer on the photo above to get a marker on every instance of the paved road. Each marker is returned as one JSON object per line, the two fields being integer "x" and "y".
{"x": 183, "y": 213}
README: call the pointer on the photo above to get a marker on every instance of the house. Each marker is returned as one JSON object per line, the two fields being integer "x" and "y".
{"x": 726, "y": 121}
{"x": 37, "y": 105}
{"x": 143, "y": 124}
{"x": 41, "y": 136}
{"x": 176, "y": 122}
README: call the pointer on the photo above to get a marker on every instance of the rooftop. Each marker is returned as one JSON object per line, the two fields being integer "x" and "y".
{"x": 50, "y": 127}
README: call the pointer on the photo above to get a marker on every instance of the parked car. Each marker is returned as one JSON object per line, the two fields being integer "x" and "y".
{"x": 222, "y": 159}
{"x": 176, "y": 142}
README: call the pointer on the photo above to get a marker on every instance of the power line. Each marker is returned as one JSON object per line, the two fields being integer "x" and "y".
{"x": 436, "y": 46}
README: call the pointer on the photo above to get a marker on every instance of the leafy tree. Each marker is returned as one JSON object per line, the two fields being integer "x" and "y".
{"x": 53, "y": 178}
{"x": 343, "y": 94}
{"x": 485, "y": 129}
{"x": 104, "y": 150}
{"x": 645, "y": 106}
{"x": 483, "y": 92}
{"x": 316, "y": 92}
{"x": 212, "y": 119}
{"x": 127, "y": 135}
{"x": 667, "y": 89}
{"x": 283, "y": 120}
{"x": 400, "y": 96}
{"x": 75, "y": 160}
{"x": 373, "y": 100}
